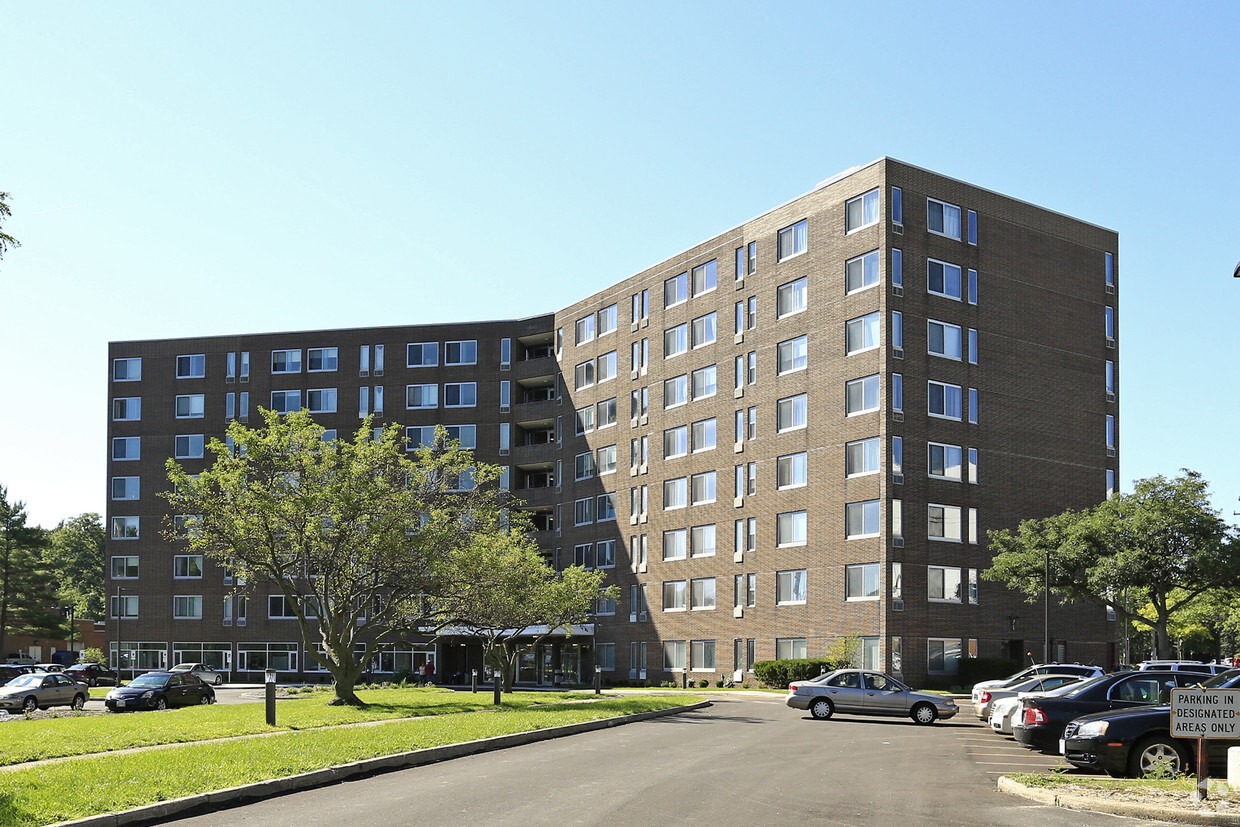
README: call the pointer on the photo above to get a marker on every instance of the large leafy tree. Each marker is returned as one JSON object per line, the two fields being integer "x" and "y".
{"x": 506, "y": 594}
{"x": 6, "y": 240}
{"x": 355, "y": 534}
{"x": 75, "y": 552}
{"x": 28, "y": 604}
{"x": 1163, "y": 542}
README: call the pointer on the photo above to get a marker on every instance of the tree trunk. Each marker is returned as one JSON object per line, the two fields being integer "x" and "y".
{"x": 1162, "y": 640}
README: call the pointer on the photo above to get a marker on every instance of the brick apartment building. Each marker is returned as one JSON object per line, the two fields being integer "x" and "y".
{"x": 798, "y": 430}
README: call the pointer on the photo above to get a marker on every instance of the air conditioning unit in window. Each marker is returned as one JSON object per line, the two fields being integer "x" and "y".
{"x": 897, "y": 604}
{"x": 738, "y": 447}
{"x": 898, "y": 479}
{"x": 897, "y": 228}
{"x": 642, "y": 617}
{"x": 505, "y": 366}
{"x": 897, "y": 542}
{"x": 633, "y": 373}
{"x": 241, "y": 621}
{"x": 740, "y": 284}
{"x": 1111, "y": 343}
{"x": 505, "y": 408}
{"x": 633, "y": 618}
{"x": 897, "y": 352}
{"x": 897, "y": 290}
{"x": 645, "y": 419}
{"x": 1110, "y": 452}
{"x": 1111, "y": 289}
{"x": 737, "y": 393}
{"x": 1110, "y": 397}
{"x": 633, "y": 327}
{"x": 633, "y": 519}
{"x": 641, "y": 569}
{"x": 738, "y": 502}
{"x": 503, "y": 452}
{"x": 738, "y": 338}
{"x": 897, "y": 416}
{"x": 738, "y": 556}
{"x": 738, "y": 611}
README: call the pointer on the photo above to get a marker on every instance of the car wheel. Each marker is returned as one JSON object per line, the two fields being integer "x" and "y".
{"x": 161, "y": 703}
{"x": 204, "y": 699}
{"x": 30, "y": 704}
{"x": 924, "y": 714}
{"x": 1156, "y": 755}
{"x": 219, "y": 679}
{"x": 822, "y": 709}
{"x": 79, "y": 701}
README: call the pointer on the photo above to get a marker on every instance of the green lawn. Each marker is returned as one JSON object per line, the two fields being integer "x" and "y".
{"x": 112, "y": 782}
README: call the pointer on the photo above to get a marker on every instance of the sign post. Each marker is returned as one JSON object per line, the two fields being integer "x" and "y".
{"x": 1203, "y": 714}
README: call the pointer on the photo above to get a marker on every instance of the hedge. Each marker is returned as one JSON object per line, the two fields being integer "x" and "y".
{"x": 779, "y": 673}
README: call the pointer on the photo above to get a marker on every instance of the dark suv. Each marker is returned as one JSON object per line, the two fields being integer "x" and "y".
{"x": 1133, "y": 742}
{"x": 1045, "y": 718}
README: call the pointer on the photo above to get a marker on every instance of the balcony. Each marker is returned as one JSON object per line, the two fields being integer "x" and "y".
{"x": 540, "y": 497}
{"x": 533, "y": 455}
{"x": 532, "y": 412}
{"x": 540, "y": 367}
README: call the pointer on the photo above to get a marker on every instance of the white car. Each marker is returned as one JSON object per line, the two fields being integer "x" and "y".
{"x": 1040, "y": 669}
{"x": 1011, "y": 689}
{"x": 1006, "y": 712}
{"x": 207, "y": 674}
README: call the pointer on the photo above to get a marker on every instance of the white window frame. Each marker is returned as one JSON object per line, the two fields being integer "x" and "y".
{"x": 946, "y": 452}
{"x": 947, "y": 269}
{"x": 797, "y": 236}
{"x": 467, "y": 352}
{"x": 866, "y": 207}
{"x": 944, "y": 513}
{"x": 944, "y": 578}
{"x": 945, "y": 209}
{"x": 429, "y": 389}
{"x": 944, "y": 392}
{"x": 861, "y": 457}
{"x": 794, "y": 353}
{"x": 792, "y": 413}
{"x": 423, "y": 349}
{"x": 871, "y": 585}
{"x": 792, "y": 529}
{"x": 870, "y": 386}
{"x": 291, "y": 361}
{"x": 869, "y": 513}
{"x": 868, "y": 329}
{"x": 862, "y": 273}
{"x": 791, "y": 587}
{"x": 464, "y": 389}
{"x": 794, "y": 468}
{"x": 792, "y": 298}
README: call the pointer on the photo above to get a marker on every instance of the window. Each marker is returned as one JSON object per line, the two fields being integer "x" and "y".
{"x": 585, "y": 329}
{"x": 861, "y": 457}
{"x": 790, "y": 588}
{"x": 605, "y": 653}
{"x": 190, "y": 406}
{"x": 861, "y": 334}
{"x": 746, "y": 534}
{"x": 641, "y": 306}
{"x": 1110, "y": 385}
{"x": 861, "y": 272}
{"x": 1110, "y": 431}
{"x": 188, "y": 446}
{"x": 702, "y": 541}
{"x": 607, "y": 413}
{"x": 791, "y": 298}
{"x": 943, "y": 461}
{"x": 862, "y": 211}
{"x": 676, "y": 290}
{"x": 705, "y": 382}
{"x": 675, "y": 340}
{"x": 704, "y": 488}
{"x": 861, "y": 395}
{"x": 123, "y": 605}
{"x": 972, "y": 287}
{"x": 127, "y": 370}
{"x": 466, "y": 435}
{"x": 861, "y": 519}
{"x": 583, "y": 555}
{"x": 751, "y": 367}
{"x": 791, "y": 413}
{"x": 285, "y": 401}
{"x": 606, "y": 553}
{"x": 792, "y": 471}
{"x": 584, "y": 464}
{"x": 125, "y": 488}
{"x": 793, "y": 355}
{"x": 321, "y": 359}
{"x": 421, "y": 396}
{"x": 897, "y": 267}
{"x": 704, "y": 329}
{"x": 505, "y": 394}
{"x": 897, "y": 332}
{"x": 793, "y": 240}
{"x": 973, "y": 227}
{"x": 419, "y": 436}
{"x": 674, "y": 656}
{"x": 702, "y": 655}
{"x": 972, "y": 346}
{"x": 674, "y": 596}
{"x": 676, "y": 442}
{"x": 583, "y": 511}
{"x": 192, "y": 367}
{"x": 897, "y": 205}
{"x": 973, "y": 465}
{"x": 1110, "y": 269}
{"x": 583, "y": 375}
{"x": 897, "y": 392}
{"x": 585, "y": 420}
{"x": 322, "y": 400}
{"x": 745, "y": 590}
{"x": 675, "y": 391}
{"x": 129, "y": 408}
{"x": 243, "y": 405}
{"x": 943, "y": 279}
{"x": 943, "y": 339}
{"x": 942, "y": 584}
{"x": 704, "y": 277}
{"x": 791, "y": 529}
{"x": 187, "y": 607}
{"x": 505, "y": 353}
{"x": 943, "y": 218}
{"x": 703, "y": 435}
{"x": 675, "y": 493}
{"x": 675, "y": 544}
{"x": 286, "y": 361}
{"x": 861, "y": 582}
{"x": 125, "y": 528}
{"x": 973, "y": 406}
{"x": 943, "y": 522}
{"x": 973, "y": 586}
{"x": 943, "y": 656}
{"x": 897, "y": 457}
{"x": 943, "y": 400}
{"x": 461, "y": 353}
{"x": 460, "y": 394}
{"x": 187, "y": 566}
{"x": 605, "y": 507}
{"x": 702, "y": 595}
{"x": 126, "y": 448}
{"x": 606, "y": 460}
{"x": 607, "y": 320}
{"x": 422, "y": 354}
{"x": 280, "y": 607}
{"x": 124, "y": 568}
{"x": 607, "y": 366}
{"x": 1110, "y": 323}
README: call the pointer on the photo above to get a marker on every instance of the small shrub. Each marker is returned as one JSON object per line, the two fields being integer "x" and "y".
{"x": 703, "y": 683}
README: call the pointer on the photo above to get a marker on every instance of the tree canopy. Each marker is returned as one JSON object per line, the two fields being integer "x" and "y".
{"x": 75, "y": 553}
{"x": 6, "y": 240}
{"x": 359, "y": 536}
{"x": 1163, "y": 542}
{"x": 28, "y": 602}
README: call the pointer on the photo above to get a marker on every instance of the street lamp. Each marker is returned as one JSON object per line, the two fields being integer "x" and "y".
{"x": 120, "y": 638}
{"x": 1046, "y": 618}
{"x": 269, "y": 684}
{"x": 72, "y": 628}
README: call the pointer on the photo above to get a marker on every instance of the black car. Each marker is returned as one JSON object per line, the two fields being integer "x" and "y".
{"x": 1045, "y": 718}
{"x": 1133, "y": 742}
{"x": 160, "y": 690}
{"x": 91, "y": 674}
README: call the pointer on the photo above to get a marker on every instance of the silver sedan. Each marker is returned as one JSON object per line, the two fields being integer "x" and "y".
{"x": 204, "y": 673}
{"x": 862, "y": 692}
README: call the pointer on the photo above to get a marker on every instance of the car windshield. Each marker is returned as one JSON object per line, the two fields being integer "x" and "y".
{"x": 149, "y": 680}
{"x": 184, "y": 667}
{"x": 1223, "y": 679}
{"x": 1083, "y": 686}
{"x": 26, "y": 680}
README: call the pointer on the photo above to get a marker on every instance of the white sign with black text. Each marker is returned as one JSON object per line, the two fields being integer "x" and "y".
{"x": 1205, "y": 713}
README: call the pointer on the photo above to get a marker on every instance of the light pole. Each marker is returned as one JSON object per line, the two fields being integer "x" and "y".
{"x": 72, "y": 628}
{"x": 1046, "y": 609}
{"x": 120, "y": 638}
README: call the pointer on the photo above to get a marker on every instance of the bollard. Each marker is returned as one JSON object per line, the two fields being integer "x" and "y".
{"x": 473, "y": 680}
{"x": 498, "y": 687}
{"x": 270, "y": 686}
{"x": 598, "y": 680}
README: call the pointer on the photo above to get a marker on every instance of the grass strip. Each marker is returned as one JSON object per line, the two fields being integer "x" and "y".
{"x": 22, "y": 741}
{"x": 110, "y": 783}
{"x": 1054, "y": 780}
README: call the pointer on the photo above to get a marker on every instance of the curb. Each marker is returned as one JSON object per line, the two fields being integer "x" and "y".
{"x": 234, "y": 796}
{"x": 1118, "y": 808}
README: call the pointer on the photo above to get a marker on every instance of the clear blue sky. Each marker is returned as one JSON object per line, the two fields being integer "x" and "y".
{"x": 184, "y": 169}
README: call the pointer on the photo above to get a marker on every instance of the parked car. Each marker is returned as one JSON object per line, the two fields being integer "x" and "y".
{"x": 861, "y": 692}
{"x": 1045, "y": 718}
{"x": 91, "y": 674}
{"x": 1132, "y": 742}
{"x": 49, "y": 668}
{"x": 8, "y": 672}
{"x": 1084, "y": 670}
{"x": 1011, "y": 689}
{"x": 205, "y": 673}
{"x": 19, "y": 658}
{"x": 160, "y": 690}
{"x": 1006, "y": 712}
{"x": 39, "y": 691}
{"x": 1182, "y": 666}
